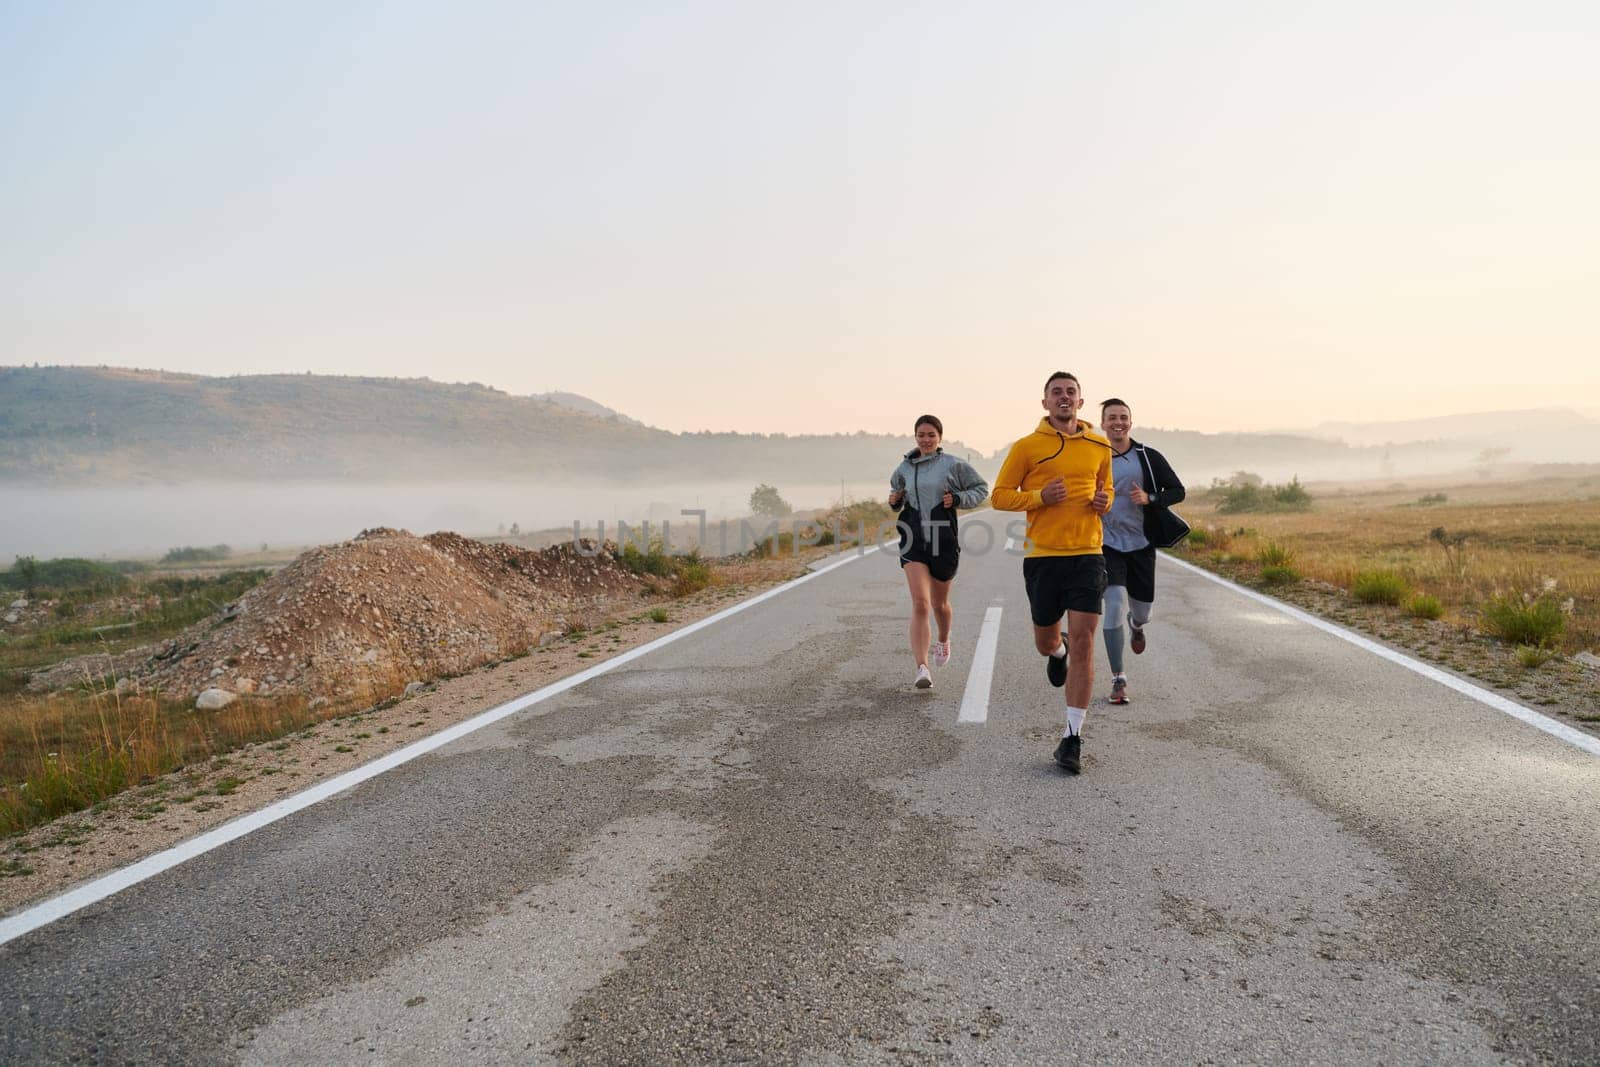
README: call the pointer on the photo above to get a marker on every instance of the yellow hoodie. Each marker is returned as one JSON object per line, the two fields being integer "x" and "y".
{"x": 1083, "y": 461}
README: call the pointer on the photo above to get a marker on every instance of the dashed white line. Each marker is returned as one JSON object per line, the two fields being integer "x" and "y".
{"x": 1560, "y": 730}
{"x": 975, "y": 701}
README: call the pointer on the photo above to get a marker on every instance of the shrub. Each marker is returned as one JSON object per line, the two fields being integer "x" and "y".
{"x": 1431, "y": 499}
{"x": 1242, "y": 497}
{"x": 1272, "y": 554}
{"x": 655, "y": 562}
{"x": 1198, "y": 537}
{"x": 659, "y": 615}
{"x": 1379, "y": 587}
{"x": 1291, "y": 497}
{"x": 1520, "y": 622}
{"x": 1279, "y": 574}
{"x": 64, "y": 576}
{"x": 764, "y": 500}
{"x": 1424, "y": 606}
{"x": 693, "y": 574}
{"x": 1531, "y": 656}
{"x": 689, "y": 573}
{"x": 193, "y": 554}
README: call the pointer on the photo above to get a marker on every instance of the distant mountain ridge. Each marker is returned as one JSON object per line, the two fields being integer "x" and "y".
{"x": 1458, "y": 427}
{"x": 109, "y": 425}
{"x": 95, "y": 426}
{"x": 583, "y": 404}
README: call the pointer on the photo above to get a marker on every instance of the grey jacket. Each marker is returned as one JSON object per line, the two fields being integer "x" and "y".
{"x": 925, "y": 479}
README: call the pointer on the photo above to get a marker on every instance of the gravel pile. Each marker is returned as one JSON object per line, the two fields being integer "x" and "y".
{"x": 370, "y": 615}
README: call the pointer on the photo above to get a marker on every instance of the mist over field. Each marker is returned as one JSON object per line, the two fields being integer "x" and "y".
{"x": 108, "y": 461}
{"x": 146, "y": 521}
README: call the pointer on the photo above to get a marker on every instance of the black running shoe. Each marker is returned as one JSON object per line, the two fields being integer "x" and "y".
{"x": 1055, "y": 669}
{"x": 1136, "y": 639}
{"x": 1067, "y": 753}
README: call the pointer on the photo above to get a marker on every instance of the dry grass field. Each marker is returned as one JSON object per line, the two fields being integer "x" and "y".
{"x": 1499, "y": 580}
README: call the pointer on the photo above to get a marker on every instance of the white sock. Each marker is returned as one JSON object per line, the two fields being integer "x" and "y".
{"x": 1059, "y": 653}
{"x": 1075, "y": 720}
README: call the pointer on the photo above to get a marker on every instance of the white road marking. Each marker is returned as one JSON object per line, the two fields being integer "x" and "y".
{"x": 975, "y": 701}
{"x": 1265, "y": 619}
{"x": 1560, "y": 730}
{"x": 58, "y": 907}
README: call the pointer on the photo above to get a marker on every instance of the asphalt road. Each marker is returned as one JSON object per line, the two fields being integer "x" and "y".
{"x": 759, "y": 843}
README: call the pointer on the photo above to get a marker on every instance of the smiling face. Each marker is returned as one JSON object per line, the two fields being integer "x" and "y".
{"x": 1062, "y": 399}
{"x": 928, "y": 437}
{"x": 1117, "y": 422}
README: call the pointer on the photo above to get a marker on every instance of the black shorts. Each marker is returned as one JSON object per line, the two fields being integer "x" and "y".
{"x": 1059, "y": 584}
{"x": 942, "y": 568}
{"x": 1136, "y": 571}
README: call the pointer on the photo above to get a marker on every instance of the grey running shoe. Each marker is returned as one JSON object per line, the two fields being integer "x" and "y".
{"x": 1119, "y": 691}
{"x": 1055, "y": 669}
{"x": 1068, "y": 752}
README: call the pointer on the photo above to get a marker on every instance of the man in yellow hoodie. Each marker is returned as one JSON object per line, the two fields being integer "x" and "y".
{"x": 1060, "y": 475}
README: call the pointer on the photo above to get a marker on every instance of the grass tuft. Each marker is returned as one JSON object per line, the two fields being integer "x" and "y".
{"x": 1379, "y": 587}
{"x": 1424, "y": 606}
{"x": 1517, "y": 621}
{"x": 1279, "y": 574}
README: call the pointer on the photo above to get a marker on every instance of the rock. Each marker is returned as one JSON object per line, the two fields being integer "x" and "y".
{"x": 245, "y": 685}
{"x": 214, "y": 698}
{"x": 1588, "y": 659}
{"x": 18, "y": 603}
{"x": 218, "y": 672}
{"x": 317, "y": 702}
{"x": 413, "y": 688}
{"x": 12, "y": 617}
{"x": 370, "y": 656}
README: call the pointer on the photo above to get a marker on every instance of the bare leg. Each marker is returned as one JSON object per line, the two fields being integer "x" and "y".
{"x": 1047, "y": 638}
{"x": 942, "y": 612}
{"x": 1080, "y": 657}
{"x": 918, "y": 581}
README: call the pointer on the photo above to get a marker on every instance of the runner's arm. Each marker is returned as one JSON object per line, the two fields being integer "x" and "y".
{"x": 967, "y": 486}
{"x": 1168, "y": 490}
{"x": 1008, "y": 494}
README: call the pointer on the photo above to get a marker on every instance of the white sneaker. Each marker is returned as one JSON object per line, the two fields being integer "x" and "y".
{"x": 924, "y": 679}
{"x": 941, "y": 653}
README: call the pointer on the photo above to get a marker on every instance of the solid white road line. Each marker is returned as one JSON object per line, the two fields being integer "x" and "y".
{"x": 1576, "y": 738}
{"x": 48, "y": 911}
{"x": 975, "y": 701}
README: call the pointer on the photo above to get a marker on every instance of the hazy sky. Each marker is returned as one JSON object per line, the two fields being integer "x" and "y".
{"x": 820, "y": 216}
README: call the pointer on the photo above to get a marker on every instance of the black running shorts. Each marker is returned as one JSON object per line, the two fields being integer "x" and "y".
{"x": 1135, "y": 571}
{"x": 1059, "y": 584}
{"x": 942, "y": 568}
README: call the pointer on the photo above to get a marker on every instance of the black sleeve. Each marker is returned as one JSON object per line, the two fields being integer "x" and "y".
{"x": 1169, "y": 490}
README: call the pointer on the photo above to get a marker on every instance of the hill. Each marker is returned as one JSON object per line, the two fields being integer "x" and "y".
{"x": 106, "y": 425}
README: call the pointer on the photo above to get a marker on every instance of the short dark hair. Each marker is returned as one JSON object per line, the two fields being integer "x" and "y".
{"x": 931, "y": 420}
{"x": 1061, "y": 374}
{"x": 1115, "y": 400}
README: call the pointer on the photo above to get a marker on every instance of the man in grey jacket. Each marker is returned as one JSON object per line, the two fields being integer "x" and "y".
{"x": 928, "y": 486}
{"x": 1144, "y": 480}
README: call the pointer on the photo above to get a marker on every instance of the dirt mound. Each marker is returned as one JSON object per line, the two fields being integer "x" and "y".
{"x": 369, "y": 615}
